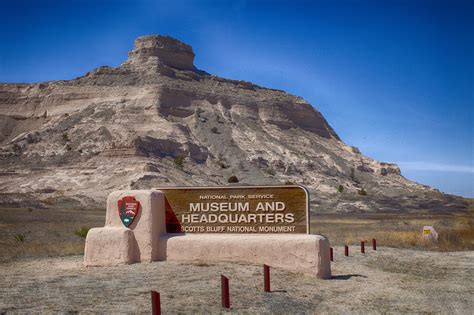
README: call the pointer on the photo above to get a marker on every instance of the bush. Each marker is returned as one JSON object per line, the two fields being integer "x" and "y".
{"x": 270, "y": 171}
{"x": 340, "y": 188}
{"x": 17, "y": 148}
{"x": 214, "y": 130}
{"x": 66, "y": 137}
{"x": 233, "y": 179}
{"x": 20, "y": 237}
{"x": 179, "y": 162}
{"x": 82, "y": 232}
{"x": 362, "y": 192}
{"x": 352, "y": 174}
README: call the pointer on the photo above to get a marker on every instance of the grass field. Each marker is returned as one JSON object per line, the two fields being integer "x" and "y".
{"x": 31, "y": 232}
{"x": 456, "y": 230}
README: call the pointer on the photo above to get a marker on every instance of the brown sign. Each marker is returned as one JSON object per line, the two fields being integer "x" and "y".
{"x": 237, "y": 209}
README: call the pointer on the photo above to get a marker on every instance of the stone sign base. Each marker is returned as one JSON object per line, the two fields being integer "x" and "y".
{"x": 308, "y": 254}
{"x": 146, "y": 240}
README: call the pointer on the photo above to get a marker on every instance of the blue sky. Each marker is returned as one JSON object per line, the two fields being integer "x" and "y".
{"x": 394, "y": 78}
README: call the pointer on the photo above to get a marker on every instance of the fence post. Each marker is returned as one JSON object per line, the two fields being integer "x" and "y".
{"x": 331, "y": 253}
{"x": 346, "y": 250}
{"x": 155, "y": 303}
{"x": 374, "y": 244}
{"x": 266, "y": 278}
{"x": 225, "y": 292}
{"x": 362, "y": 247}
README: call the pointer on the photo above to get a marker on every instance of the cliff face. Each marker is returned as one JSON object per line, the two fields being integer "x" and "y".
{"x": 131, "y": 126}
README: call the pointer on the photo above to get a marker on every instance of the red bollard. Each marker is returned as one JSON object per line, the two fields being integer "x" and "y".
{"x": 331, "y": 253}
{"x": 225, "y": 292}
{"x": 374, "y": 244}
{"x": 362, "y": 247}
{"x": 266, "y": 278}
{"x": 346, "y": 250}
{"x": 155, "y": 303}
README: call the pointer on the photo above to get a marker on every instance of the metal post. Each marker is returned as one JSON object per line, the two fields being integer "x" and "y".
{"x": 225, "y": 292}
{"x": 331, "y": 253}
{"x": 374, "y": 244}
{"x": 346, "y": 250}
{"x": 155, "y": 303}
{"x": 266, "y": 278}
{"x": 362, "y": 247}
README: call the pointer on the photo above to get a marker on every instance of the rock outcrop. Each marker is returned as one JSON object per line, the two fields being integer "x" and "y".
{"x": 164, "y": 50}
{"x": 157, "y": 120}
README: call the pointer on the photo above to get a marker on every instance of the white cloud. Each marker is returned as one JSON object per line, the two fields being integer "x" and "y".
{"x": 428, "y": 166}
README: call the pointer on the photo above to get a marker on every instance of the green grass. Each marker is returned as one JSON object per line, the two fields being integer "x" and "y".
{"x": 82, "y": 232}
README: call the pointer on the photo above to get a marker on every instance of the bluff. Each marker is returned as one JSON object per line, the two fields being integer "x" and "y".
{"x": 157, "y": 120}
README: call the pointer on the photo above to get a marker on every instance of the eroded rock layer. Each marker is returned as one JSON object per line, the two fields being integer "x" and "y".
{"x": 156, "y": 120}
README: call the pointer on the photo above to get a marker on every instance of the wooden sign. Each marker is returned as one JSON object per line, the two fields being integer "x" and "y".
{"x": 237, "y": 209}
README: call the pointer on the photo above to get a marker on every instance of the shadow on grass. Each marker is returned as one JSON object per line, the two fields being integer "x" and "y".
{"x": 347, "y": 277}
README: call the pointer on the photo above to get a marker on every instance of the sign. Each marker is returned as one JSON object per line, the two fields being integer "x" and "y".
{"x": 430, "y": 233}
{"x": 237, "y": 209}
{"x": 128, "y": 208}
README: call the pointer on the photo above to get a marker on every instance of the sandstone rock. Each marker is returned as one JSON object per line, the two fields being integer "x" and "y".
{"x": 167, "y": 50}
{"x": 157, "y": 107}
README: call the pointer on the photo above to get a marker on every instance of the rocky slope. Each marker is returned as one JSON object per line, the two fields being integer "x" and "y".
{"x": 156, "y": 120}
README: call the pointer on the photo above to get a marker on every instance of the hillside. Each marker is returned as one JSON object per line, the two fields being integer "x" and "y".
{"x": 157, "y": 120}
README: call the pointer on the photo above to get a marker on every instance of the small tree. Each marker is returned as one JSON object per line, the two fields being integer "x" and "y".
{"x": 66, "y": 137}
{"x": 270, "y": 171}
{"x": 179, "y": 162}
{"x": 233, "y": 179}
{"x": 17, "y": 148}
{"x": 340, "y": 188}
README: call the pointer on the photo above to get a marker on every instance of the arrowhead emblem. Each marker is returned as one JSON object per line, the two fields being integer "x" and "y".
{"x": 128, "y": 208}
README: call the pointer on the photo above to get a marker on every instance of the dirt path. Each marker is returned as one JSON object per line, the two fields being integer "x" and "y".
{"x": 389, "y": 280}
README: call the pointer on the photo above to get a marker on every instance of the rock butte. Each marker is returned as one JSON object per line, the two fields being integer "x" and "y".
{"x": 75, "y": 141}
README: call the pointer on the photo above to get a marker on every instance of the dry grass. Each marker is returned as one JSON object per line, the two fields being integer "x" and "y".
{"x": 388, "y": 281}
{"x": 456, "y": 230}
{"x": 27, "y": 232}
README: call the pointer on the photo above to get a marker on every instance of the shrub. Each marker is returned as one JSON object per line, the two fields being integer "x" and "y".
{"x": 66, "y": 137}
{"x": 362, "y": 192}
{"x": 20, "y": 237}
{"x": 289, "y": 182}
{"x": 179, "y": 162}
{"x": 17, "y": 148}
{"x": 214, "y": 130}
{"x": 340, "y": 188}
{"x": 82, "y": 232}
{"x": 233, "y": 179}
{"x": 271, "y": 171}
{"x": 352, "y": 174}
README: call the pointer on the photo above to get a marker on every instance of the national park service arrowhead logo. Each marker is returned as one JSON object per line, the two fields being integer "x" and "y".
{"x": 128, "y": 208}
